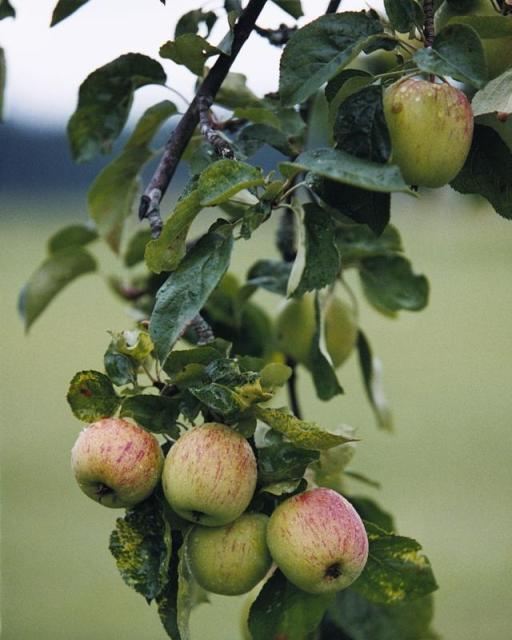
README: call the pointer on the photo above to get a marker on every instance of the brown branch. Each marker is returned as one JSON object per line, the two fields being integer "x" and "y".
{"x": 428, "y": 26}
{"x": 150, "y": 202}
{"x": 334, "y": 5}
{"x": 220, "y": 145}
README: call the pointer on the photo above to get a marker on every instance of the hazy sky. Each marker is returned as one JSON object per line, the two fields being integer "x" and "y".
{"x": 46, "y": 66}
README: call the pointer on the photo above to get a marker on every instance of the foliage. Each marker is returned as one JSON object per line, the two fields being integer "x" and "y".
{"x": 203, "y": 348}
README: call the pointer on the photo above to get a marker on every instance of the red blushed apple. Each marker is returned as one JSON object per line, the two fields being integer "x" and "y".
{"x": 116, "y": 462}
{"x": 318, "y": 541}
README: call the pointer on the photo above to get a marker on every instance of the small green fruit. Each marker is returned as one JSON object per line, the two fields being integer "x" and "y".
{"x": 296, "y": 328}
{"x": 318, "y": 541}
{"x": 116, "y": 463}
{"x": 232, "y": 559}
{"x": 431, "y": 127}
{"x": 209, "y": 475}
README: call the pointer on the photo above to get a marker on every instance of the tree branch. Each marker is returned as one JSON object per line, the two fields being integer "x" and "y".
{"x": 428, "y": 26}
{"x": 221, "y": 146}
{"x": 150, "y": 202}
{"x": 334, "y": 5}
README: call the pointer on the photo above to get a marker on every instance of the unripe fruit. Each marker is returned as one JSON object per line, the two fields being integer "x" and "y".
{"x": 296, "y": 326}
{"x": 116, "y": 463}
{"x": 498, "y": 51}
{"x": 318, "y": 541}
{"x": 431, "y": 126}
{"x": 209, "y": 475}
{"x": 232, "y": 559}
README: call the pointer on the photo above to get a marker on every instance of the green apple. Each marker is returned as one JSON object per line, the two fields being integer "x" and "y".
{"x": 431, "y": 127}
{"x": 498, "y": 51}
{"x": 296, "y": 326}
{"x": 116, "y": 462}
{"x": 318, "y": 541}
{"x": 209, "y": 475}
{"x": 232, "y": 559}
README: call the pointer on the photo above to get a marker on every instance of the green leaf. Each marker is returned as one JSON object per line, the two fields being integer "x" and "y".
{"x": 304, "y": 435}
{"x": 187, "y": 289}
{"x": 50, "y": 278}
{"x": 220, "y": 399}
{"x": 3, "y": 77}
{"x": 363, "y": 620}
{"x": 113, "y": 192}
{"x": 136, "y": 247}
{"x": 395, "y": 572}
{"x": 157, "y": 414}
{"x": 324, "y": 376}
{"x": 167, "y": 603}
{"x": 356, "y": 242}
{"x": 488, "y": 171}
{"x": 279, "y": 460}
{"x": 318, "y": 51}
{"x": 271, "y": 275}
{"x": 235, "y": 93}
{"x": 318, "y": 262}
{"x": 370, "y": 511}
{"x": 275, "y": 375}
{"x": 360, "y": 127}
{"x": 254, "y": 136}
{"x": 6, "y": 10}
{"x": 258, "y": 115}
{"x": 104, "y": 102}
{"x": 91, "y": 396}
{"x": 390, "y": 284}
{"x": 74, "y": 235}
{"x": 64, "y": 9}
{"x": 456, "y": 52}
{"x": 293, "y": 7}
{"x": 282, "y": 488}
{"x": 192, "y": 20}
{"x": 190, "y": 50}
{"x": 487, "y": 26}
{"x": 404, "y": 14}
{"x": 141, "y": 546}
{"x": 225, "y": 178}
{"x": 281, "y": 610}
{"x": 166, "y": 252}
{"x": 343, "y": 167}
{"x": 120, "y": 368}
{"x": 496, "y": 96}
{"x": 371, "y": 369}
{"x": 204, "y": 355}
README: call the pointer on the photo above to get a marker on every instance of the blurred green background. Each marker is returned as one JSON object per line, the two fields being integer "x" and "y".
{"x": 446, "y": 471}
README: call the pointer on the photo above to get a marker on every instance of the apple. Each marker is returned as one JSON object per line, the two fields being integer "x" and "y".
{"x": 498, "y": 51}
{"x": 209, "y": 475}
{"x": 116, "y": 463}
{"x": 296, "y": 326}
{"x": 232, "y": 559}
{"x": 431, "y": 126}
{"x": 318, "y": 541}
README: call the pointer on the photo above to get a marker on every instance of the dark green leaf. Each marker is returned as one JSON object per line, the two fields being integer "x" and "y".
{"x": 136, "y": 247}
{"x": 371, "y": 369}
{"x": 279, "y": 460}
{"x": 190, "y": 50}
{"x": 370, "y": 511}
{"x": 190, "y": 22}
{"x": 74, "y": 235}
{"x": 496, "y": 96}
{"x": 356, "y": 242}
{"x": 120, "y": 368}
{"x": 390, "y": 284}
{"x": 222, "y": 180}
{"x": 235, "y": 93}
{"x": 404, "y": 14}
{"x": 166, "y": 252}
{"x": 362, "y": 620}
{"x": 395, "y": 572}
{"x": 186, "y": 290}
{"x": 304, "y": 435}
{"x": 105, "y": 100}
{"x": 283, "y": 611}
{"x": 344, "y": 77}
{"x": 254, "y": 136}
{"x": 167, "y": 603}
{"x": 487, "y": 26}
{"x": 203, "y": 355}
{"x": 3, "y": 77}
{"x": 271, "y": 275}
{"x": 51, "y": 277}
{"x": 112, "y": 194}
{"x": 324, "y": 376}
{"x": 488, "y": 171}
{"x": 141, "y": 545}
{"x": 360, "y": 127}
{"x": 253, "y": 218}
{"x": 318, "y": 51}
{"x": 91, "y": 396}
{"x": 293, "y": 7}
{"x": 65, "y": 8}
{"x": 220, "y": 399}
{"x": 157, "y": 414}
{"x": 6, "y": 10}
{"x": 457, "y": 52}
{"x": 343, "y": 167}
{"x": 318, "y": 262}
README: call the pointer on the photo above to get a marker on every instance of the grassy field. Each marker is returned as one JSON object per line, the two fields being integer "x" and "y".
{"x": 446, "y": 471}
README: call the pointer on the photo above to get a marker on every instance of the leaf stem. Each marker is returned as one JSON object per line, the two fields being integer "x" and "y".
{"x": 292, "y": 389}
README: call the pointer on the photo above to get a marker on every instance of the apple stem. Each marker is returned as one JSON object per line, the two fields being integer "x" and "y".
{"x": 428, "y": 25}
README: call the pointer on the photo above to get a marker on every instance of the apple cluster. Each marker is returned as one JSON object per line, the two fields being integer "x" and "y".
{"x": 209, "y": 478}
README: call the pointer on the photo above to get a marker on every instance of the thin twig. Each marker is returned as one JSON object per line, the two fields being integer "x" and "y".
{"x": 292, "y": 389}
{"x": 334, "y": 5}
{"x": 150, "y": 202}
{"x": 428, "y": 26}
{"x": 202, "y": 330}
{"x": 220, "y": 145}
